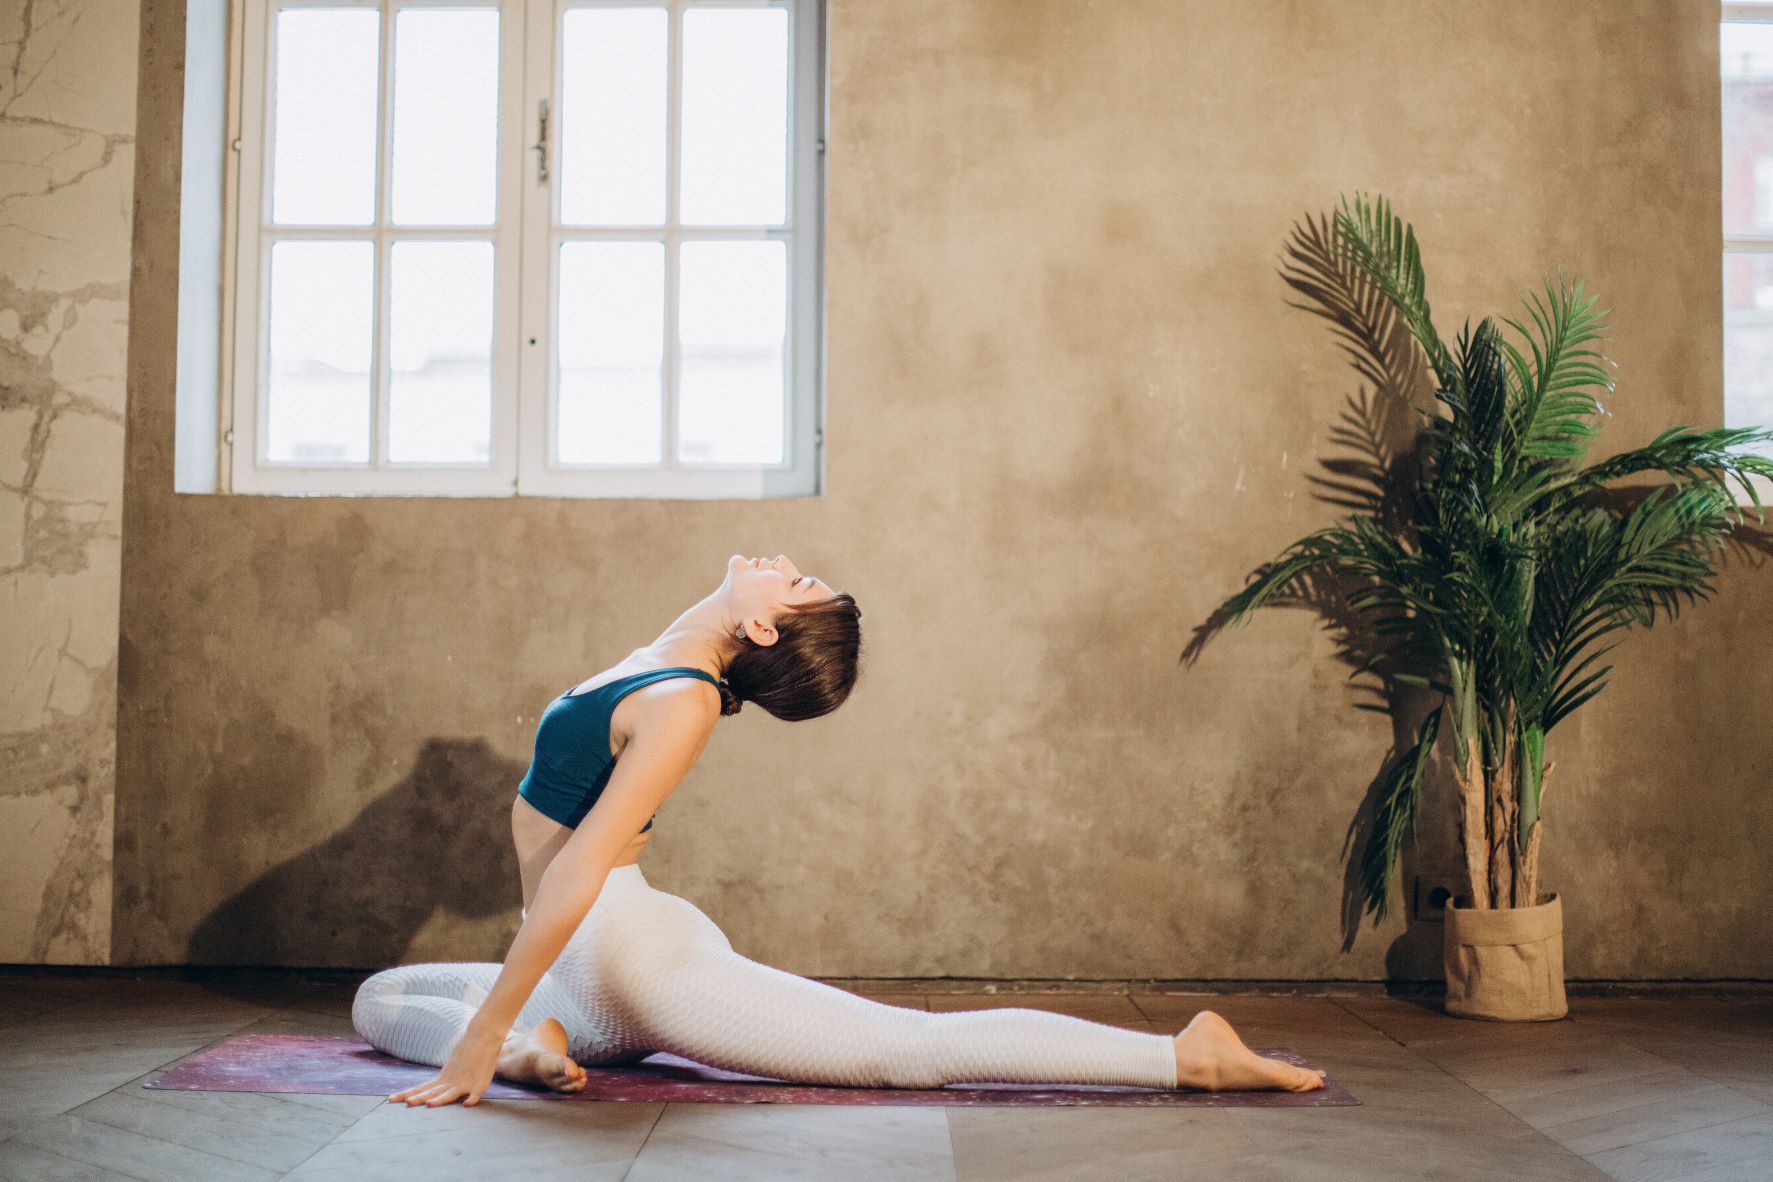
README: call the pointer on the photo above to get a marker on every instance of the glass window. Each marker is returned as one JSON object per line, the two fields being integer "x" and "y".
{"x": 1745, "y": 56}
{"x": 474, "y": 262}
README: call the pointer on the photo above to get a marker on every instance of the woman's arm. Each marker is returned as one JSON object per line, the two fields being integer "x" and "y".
{"x": 672, "y": 728}
{"x": 670, "y": 731}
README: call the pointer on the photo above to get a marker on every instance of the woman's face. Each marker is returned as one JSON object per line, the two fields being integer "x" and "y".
{"x": 761, "y": 588}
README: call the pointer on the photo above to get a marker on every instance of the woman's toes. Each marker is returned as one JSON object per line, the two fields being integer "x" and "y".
{"x": 1307, "y": 1079}
{"x": 1277, "y": 1073}
{"x": 562, "y": 1074}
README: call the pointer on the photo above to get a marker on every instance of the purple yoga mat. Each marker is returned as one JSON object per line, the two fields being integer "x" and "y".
{"x": 345, "y": 1066}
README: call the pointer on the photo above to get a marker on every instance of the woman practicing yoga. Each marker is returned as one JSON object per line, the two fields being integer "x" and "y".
{"x": 607, "y": 969}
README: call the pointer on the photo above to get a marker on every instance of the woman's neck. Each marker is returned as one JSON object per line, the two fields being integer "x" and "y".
{"x": 697, "y": 639}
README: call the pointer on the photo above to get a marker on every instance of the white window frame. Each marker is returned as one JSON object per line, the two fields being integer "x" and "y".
{"x": 1743, "y": 244}
{"x": 526, "y": 237}
{"x": 1763, "y": 189}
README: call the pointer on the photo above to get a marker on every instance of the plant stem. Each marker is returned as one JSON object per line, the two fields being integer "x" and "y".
{"x": 1473, "y": 835}
{"x": 1530, "y": 860}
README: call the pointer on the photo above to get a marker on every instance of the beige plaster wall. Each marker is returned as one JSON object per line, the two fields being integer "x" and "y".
{"x": 67, "y": 155}
{"x": 1069, "y": 410}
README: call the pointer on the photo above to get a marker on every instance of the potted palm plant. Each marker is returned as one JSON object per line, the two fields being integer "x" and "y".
{"x": 1491, "y": 575}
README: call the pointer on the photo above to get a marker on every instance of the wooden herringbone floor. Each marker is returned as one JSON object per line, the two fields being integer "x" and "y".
{"x": 1656, "y": 1088}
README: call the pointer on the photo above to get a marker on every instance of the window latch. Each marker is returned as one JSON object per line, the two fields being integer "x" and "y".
{"x": 540, "y": 147}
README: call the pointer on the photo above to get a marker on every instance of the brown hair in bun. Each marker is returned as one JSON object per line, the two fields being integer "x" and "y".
{"x": 810, "y": 669}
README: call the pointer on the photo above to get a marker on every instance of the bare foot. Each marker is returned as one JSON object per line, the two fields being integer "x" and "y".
{"x": 1210, "y": 1056}
{"x": 539, "y": 1056}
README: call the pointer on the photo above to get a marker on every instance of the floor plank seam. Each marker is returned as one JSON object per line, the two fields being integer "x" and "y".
{"x": 1369, "y": 1024}
{"x": 641, "y": 1148}
{"x": 319, "y": 1149}
{"x": 1661, "y": 1137}
{"x": 1140, "y": 1009}
{"x": 109, "y": 1167}
{"x": 76, "y": 1162}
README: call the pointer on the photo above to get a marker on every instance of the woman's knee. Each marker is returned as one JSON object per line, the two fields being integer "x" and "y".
{"x": 384, "y": 981}
{"x": 375, "y": 988}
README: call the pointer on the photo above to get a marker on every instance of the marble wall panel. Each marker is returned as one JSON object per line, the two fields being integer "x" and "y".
{"x": 67, "y": 158}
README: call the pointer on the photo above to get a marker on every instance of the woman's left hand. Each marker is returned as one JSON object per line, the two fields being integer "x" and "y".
{"x": 466, "y": 1073}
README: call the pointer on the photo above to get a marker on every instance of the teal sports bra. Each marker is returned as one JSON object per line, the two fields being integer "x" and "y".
{"x": 572, "y": 762}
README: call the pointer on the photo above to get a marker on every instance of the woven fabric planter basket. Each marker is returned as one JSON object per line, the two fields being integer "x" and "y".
{"x": 1506, "y": 964}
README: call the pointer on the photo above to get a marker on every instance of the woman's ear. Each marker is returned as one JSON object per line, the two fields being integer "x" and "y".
{"x": 760, "y": 632}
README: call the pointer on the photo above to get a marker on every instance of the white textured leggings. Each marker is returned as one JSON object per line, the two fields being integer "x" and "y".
{"x": 647, "y": 971}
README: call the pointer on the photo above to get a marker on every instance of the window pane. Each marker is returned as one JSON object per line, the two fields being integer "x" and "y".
{"x": 440, "y": 326}
{"x": 733, "y": 304}
{"x": 323, "y": 153}
{"x": 612, "y": 348}
{"x": 320, "y": 358}
{"x": 1748, "y": 341}
{"x": 1745, "y": 54}
{"x": 612, "y": 116}
{"x": 446, "y": 115}
{"x": 735, "y": 116}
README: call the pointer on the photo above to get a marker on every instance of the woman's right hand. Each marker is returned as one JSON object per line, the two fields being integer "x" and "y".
{"x": 464, "y": 1076}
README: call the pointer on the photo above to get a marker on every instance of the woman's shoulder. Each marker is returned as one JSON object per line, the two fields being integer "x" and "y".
{"x": 670, "y": 701}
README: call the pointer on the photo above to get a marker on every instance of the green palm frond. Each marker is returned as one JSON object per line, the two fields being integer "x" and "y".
{"x": 1656, "y": 556}
{"x": 1384, "y": 248}
{"x": 1394, "y": 817}
{"x": 1686, "y": 453}
{"x": 1554, "y": 415}
{"x": 1358, "y": 312}
{"x": 1326, "y": 548}
{"x": 1604, "y": 574}
{"x": 1481, "y": 426}
{"x": 1397, "y": 583}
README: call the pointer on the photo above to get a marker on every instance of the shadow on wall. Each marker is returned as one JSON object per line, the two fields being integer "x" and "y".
{"x": 434, "y": 840}
{"x": 1379, "y": 447}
